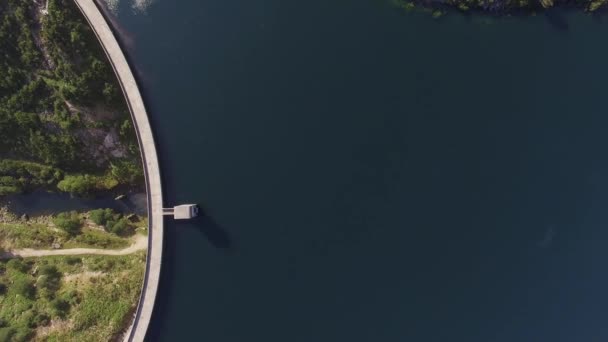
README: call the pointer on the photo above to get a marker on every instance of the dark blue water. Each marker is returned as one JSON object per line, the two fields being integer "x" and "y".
{"x": 370, "y": 175}
{"x": 46, "y": 203}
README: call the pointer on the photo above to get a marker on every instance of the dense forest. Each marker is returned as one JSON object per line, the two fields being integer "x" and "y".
{"x": 64, "y": 124}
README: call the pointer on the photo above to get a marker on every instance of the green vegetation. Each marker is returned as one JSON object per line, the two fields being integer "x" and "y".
{"x": 83, "y": 185}
{"x": 111, "y": 221}
{"x": 102, "y": 216}
{"x": 64, "y": 126}
{"x": 97, "y": 239}
{"x": 68, "y": 298}
{"x": 59, "y": 101}
{"x": 74, "y": 230}
{"x": 23, "y": 287}
{"x": 69, "y": 222}
{"x": 17, "y": 265}
{"x": 120, "y": 227}
{"x": 18, "y": 176}
{"x": 126, "y": 172}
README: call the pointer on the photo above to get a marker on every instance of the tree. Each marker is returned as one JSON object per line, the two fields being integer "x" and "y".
{"x": 69, "y": 222}
{"x": 119, "y": 227}
{"x": 75, "y": 36}
{"x": 9, "y": 185}
{"x": 110, "y": 93}
{"x": 126, "y": 171}
{"x": 77, "y": 185}
{"x": 126, "y": 130}
{"x": 102, "y": 216}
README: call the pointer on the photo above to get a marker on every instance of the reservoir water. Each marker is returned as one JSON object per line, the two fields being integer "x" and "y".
{"x": 369, "y": 175}
{"x": 45, "y": 203}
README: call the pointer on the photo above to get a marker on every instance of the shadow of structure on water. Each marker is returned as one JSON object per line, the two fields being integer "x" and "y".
{"x": 216, "y": 234}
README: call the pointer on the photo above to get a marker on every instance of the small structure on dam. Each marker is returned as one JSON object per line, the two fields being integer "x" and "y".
{"x": 182, "y": 212}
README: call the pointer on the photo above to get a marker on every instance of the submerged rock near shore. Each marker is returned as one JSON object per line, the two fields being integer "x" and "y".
{"x": 499, "y": 7}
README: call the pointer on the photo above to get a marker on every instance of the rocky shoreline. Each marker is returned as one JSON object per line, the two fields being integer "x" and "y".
{"x": 500, "y": 7}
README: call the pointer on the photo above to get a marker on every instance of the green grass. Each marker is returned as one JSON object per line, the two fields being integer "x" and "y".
{"x": 90, "y": 309}
{"x": 40, "y": 236}
{"x": 97, "y": 239}
{"x": 39, "y": 233}
{"x": 18, "y": 235}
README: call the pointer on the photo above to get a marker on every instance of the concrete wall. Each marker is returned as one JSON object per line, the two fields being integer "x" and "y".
{"x": 139, "y": 326}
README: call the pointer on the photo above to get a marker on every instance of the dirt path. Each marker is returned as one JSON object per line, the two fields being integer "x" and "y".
{"x": 141, "y": 243}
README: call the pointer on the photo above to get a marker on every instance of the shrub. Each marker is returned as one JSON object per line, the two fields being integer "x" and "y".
{"x": 48, "y": 285}
{"x": 126, "y": 171}
{"x": 48, "y": 282}
{"x": 22, "y": 334}
{"x": 50, "y": 271}
{"x": 71, "y": 297}
{"x": 98, "y": 239}
{"x": 102, "y": 216}
{"x": 34, "y": 319}
{"x": 60, "y": 307}
{"x": 69, "y": 222}
{"x": 6, "y": 334}
{"x": 83, "y": 185}
{"x": 23, "y": 287}
{"x": 9, "y": 185}
{"x": 78, "y": 184}
{"x": 43, "y": 282}
{"x": 102, "y": 265}
{"x": 119, "y": 227}
{"x": 17, "y": 265}
{"x": 2, "y": 288}
{"x": 72, "y": 260}
{"x": 40, "y": 320}
{"x": 18, "y": 176}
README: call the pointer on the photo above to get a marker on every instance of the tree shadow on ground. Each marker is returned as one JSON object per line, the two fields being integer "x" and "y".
{"x": 556, "y": 18}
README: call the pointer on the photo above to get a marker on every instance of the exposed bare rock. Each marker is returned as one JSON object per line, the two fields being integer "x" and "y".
{"x": 112, "y": 145}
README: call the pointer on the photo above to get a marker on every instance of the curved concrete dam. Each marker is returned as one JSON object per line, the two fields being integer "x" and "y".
{"x": 139, "y": 326}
